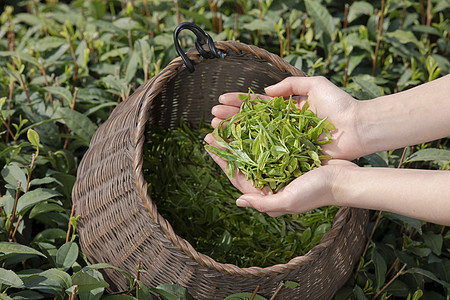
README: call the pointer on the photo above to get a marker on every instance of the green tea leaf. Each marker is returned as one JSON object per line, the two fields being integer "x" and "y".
{"x": 434, "y": 241}
{"x": 35, "y": 196}
{"x": 67, "y": 255}
{"x": 244, "y": 296}
{"x": 87, "y": 282}
{"x": 440, "y": 156}
{"x": 33, "y": 137}
{"x": 172, "y": 292}
{"x": 81, "y": 125}
{"x": 8, "y": 249}
{"x": 10, "y": 278}
{"x": 12, "y": 174}
{"x": 321, "y": 17}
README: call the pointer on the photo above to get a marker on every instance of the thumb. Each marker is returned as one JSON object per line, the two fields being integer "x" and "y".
{"x": 263, "y": 203}
{"x": 291, "y": 86}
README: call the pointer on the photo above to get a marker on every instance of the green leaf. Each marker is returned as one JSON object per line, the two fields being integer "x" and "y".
{"x": 359, "y": 293}
{"x": 96, "y": 8}
{"x": 404, "y": 37}
{"x": 357, "y": 9}
{"x": 12, "y": 174}
{"x": 368, "y": 86}
{"x": 439, "y": 156}
{"x": 434, "y": 241}
{"x": 48, "y": 43}
{"x": 62, "y": 92}
{"x": 87, "y": 282}
{"x": 120, "y": 297}
{"x": 41, "y": 208}
{"x": 78, "y": 123}
{"x": 108, "y": 266}
{"x": 26, "y": 295}
{"x": 126, "y": 23}
{"x": 131, "y": 66}
{"x": 142, "y": 292}
{"x": 67, "y": 255}
{"x": 35, "y": 196}
{"x": 52, "y": 281}
{"x": 172, "y": 291}
{"x": 375, "y": 160}
{"x": 429, "y": 275}
{"x": 417, "y": 295}
{"x": 380, "y": 268}
{"x": 33, "y": 137}
{"x": 10, "y": 278}
{"x": 398, "y": 288}
{"x": 321, "y": 17}
{"x": 8, "y": 249}
{"x": 412, "y": 223}
{"x": 244, "y": 296}
{"x": 291, "y": 284}
{"x": 94, "y": 294}
{"x": 257, "y": 24}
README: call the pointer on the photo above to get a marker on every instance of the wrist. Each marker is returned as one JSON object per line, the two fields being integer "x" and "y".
{"x": 342, "y": 182}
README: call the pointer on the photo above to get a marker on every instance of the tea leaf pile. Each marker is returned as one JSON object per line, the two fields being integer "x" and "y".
{"x": 271, "y": 142}
{"x": 198, "y": 200}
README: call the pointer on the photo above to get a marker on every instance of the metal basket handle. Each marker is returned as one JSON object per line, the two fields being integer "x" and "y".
{"x": 202, "y": 39}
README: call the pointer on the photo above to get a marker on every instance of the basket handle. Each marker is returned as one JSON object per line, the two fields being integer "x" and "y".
{"x": 202, "y": 39}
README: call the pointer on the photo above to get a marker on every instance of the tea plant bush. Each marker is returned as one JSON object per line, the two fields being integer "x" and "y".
{"x": 64, "y": 65}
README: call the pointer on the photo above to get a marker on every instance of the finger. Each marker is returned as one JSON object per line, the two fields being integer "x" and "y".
{"x": 231, "y": 99}
{"x": 216, "y": 121}
{"x": 293, "y": 86}
{"x": 224, "y": 111}
{"x": 220, "y": 161}
{"x": 209, "y": 138}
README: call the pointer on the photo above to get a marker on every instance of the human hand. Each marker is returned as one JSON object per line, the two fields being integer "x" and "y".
{"x": 311, "y": 190}
{"x": 239, "y": 181}
{"x": 325, "y": 100}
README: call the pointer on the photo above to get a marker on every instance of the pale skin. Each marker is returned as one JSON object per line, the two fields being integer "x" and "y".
{"x": 411, "y": 117}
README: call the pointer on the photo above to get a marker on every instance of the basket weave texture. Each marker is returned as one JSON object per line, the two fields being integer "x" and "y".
{"x": 120, "y": 225}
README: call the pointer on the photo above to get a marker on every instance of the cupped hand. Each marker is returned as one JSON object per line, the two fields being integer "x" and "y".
{"x": 325, "y": 100}
{"x": 311, "y": 190}
{"x": 316, "y": 188}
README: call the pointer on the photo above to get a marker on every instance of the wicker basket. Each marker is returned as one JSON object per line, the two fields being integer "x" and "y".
{"x": 120, "y": 225}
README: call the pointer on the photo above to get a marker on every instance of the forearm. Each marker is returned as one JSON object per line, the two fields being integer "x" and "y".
{"x": 420, "y": 194}
{"x": 415, "y": 116}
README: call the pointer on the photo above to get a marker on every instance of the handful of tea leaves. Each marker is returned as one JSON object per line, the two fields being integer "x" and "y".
{"x": 271, "y": 141}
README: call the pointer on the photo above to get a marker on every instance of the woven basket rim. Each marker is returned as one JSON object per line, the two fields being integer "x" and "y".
{"x": 173, "y": 68}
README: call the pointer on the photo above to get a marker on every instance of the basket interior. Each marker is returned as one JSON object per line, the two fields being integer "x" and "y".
{"x": 192, "y": 95}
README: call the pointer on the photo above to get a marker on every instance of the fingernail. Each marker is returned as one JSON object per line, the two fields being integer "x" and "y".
{"x": 242, "y": 203}
{"x": 267, "y": 89}
{"x": 208, "y": 138}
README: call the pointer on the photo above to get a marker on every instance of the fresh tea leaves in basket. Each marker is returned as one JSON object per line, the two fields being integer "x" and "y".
{"x": 271, "y": 142}
{"x": 198, "y": 200}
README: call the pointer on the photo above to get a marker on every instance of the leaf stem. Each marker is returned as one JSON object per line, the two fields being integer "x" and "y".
{"x": 75, "y": 74}
{"x": 41, "y": 63}
{"x": 255, "y": 291}
{"x": 13, "y": 216}
{"x": 22, "y": 82}
{"x": 280, "y": 285}
{"x": 70, "y": 223}
{"x": 380, "y": 31}
{"x": 390, "y": 281}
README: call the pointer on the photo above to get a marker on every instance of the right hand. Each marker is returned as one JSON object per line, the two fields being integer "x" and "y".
{"x": 325, "y": 100}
